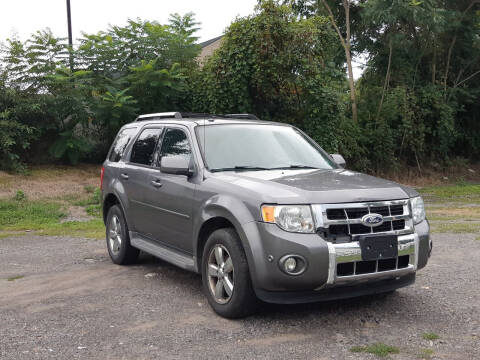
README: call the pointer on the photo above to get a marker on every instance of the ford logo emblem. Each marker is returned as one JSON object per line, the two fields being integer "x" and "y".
{"x": 372, "y": 220}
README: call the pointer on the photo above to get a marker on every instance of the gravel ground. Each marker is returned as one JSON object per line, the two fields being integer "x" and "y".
{"x": 74, "y": 303}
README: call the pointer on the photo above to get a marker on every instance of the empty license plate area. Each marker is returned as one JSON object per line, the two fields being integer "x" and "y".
{"x": 379, "y": 247}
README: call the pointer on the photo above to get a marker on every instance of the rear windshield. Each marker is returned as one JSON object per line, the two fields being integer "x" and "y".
{"x": 121, "y": 143}
{"x": 259, "y": 147}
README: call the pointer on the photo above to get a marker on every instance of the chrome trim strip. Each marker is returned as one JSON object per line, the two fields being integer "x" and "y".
{"x": 359, "y": 221}
{"x": 351, "y": 252}
{"x": 348, "y": 252}
{"x": 321, "y": 220}
{"x": 332, "y": 263}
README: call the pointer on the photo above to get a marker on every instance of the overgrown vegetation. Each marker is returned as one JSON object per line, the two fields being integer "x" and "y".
{"x": 430, "y": 336}
{"x": 417, "y": 103}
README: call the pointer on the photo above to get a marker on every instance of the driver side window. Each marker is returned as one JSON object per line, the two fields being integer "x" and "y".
{"x": 175, "y": 143}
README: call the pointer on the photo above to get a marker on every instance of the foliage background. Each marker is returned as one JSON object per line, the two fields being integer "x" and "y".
{"x": 418, "y": 98}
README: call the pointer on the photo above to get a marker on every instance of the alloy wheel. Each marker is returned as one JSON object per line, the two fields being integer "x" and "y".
{"x": 220, "y": 274}
{"x": 115, "y": 235}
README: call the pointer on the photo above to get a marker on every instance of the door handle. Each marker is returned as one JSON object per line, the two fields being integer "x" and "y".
{"x": 157, "y": 183}
{"x": 124, "y": 176}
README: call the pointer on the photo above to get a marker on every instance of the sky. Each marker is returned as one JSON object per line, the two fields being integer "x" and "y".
{"x": 24, "y": 17}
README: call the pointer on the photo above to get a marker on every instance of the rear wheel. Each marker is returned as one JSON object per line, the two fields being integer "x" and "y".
{"x": 118, "y": 240}
{"x": 226, "y": 276}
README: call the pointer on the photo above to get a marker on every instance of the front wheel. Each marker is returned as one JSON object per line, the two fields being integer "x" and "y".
{"x": 226, "y": 276}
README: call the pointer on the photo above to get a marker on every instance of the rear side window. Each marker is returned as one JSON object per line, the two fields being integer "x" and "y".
{"x": 120, "y": 144}
{"x": 175, "y": 143}
{"x": 144, "y": 147}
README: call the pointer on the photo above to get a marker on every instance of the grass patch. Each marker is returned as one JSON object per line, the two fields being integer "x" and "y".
{"x": 379, "y": 349}
{"x": 94, "y": 229}
{"x": 455, "y": 227}
{"x": 13, "y": 278}
{"x": 43, "y": 218}
{"x": 430, "y": 336}
{"x": 28, "y": 215}
{"x": 452, "y": 193}
{"x": 426, "y": 354}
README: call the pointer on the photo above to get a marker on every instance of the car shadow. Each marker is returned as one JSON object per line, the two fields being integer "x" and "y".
{"x": 347, "y": 307}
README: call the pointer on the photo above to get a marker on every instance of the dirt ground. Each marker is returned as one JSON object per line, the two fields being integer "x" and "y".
{"x": 62, "y": 298}
{"x": 44, "y": 182}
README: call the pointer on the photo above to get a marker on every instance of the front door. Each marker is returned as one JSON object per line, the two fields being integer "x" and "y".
{"x": 135, "y": 176}
{"x": 171, "y": 196}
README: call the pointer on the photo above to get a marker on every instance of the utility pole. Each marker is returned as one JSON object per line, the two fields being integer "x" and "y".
{"x": 70, "y": 38}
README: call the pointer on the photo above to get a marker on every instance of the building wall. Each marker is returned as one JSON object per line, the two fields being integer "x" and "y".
{"x": 208, "y": 50}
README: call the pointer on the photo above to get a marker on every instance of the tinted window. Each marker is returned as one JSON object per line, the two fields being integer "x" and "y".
{"x": 120, "y": 144}
{"x": 175, "y": 143}
{"x": 144, "y": 147}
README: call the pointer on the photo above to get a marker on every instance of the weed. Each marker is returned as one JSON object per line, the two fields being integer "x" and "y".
{"x": 461, "y": 181}
{"x": 426, "y": 354}
{"x": 94, "y": 210}
{"x": 378, "y": 349}
{"x": 430, "y": 336}
{"x": 89, "y": 189}
{"x": 19, "y": 195}
{"x": 13, "y": 278}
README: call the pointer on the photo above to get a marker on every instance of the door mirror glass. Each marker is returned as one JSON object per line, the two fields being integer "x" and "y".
{"x": 176, "y": 165}
{"x": 339, "y": 160}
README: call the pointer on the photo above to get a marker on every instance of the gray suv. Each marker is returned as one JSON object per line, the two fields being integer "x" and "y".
{"x": 259, "y": 210}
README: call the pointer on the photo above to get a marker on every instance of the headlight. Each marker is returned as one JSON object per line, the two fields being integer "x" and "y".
{"x": 418, "y": 209}
{"x": 293, "y": 218}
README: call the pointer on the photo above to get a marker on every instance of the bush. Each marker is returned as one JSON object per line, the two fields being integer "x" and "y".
{"x": 15, "y": 139}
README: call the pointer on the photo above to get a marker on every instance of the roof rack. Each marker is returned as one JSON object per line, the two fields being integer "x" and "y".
{"x": 241, "y": 116}
{"x": 164, "y": 115}
{"x": 182, "y": 115}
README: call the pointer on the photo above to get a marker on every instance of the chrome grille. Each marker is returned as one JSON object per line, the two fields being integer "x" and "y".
{"x": 344, "y": 221}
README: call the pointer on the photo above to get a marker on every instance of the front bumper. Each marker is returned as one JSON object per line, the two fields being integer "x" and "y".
{"x": 320, "y": 281}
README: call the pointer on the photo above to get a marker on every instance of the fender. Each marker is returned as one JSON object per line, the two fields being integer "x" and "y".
{"x": 234, "y": 211}
{"x": 117, "y": 189}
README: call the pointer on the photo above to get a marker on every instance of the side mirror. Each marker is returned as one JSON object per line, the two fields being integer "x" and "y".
{"x": 176, "y": 165}
{"x": 339, "y": 160}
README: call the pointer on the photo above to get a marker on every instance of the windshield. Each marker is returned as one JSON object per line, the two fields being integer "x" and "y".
{"x": 238, "y": 147}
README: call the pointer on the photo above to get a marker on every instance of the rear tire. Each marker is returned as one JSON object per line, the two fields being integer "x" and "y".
{"x": 118, "y": 239}
{"x": 226, "y": 276}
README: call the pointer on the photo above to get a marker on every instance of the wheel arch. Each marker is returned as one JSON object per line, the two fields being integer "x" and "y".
{"x": 221, "y": 213}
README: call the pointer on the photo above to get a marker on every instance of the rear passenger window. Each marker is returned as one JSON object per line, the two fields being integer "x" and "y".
{"x": 175, "y": 143}
{"x": 144, "y": 147}
{"x": 120, "y": 144}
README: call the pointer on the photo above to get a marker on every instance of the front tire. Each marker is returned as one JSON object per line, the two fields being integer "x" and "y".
{"x": 226, "y": 276}
{"x": 118, "y": 239}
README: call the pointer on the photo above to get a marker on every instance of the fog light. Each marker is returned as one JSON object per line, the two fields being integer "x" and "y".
{"x": 290, "y": 265}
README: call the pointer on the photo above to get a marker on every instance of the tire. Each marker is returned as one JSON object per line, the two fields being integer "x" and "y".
{"x": 118, "y": 239}
{"x": 241, "y": 301}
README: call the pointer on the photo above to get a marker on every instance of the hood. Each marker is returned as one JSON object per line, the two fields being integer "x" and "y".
{"x": 317, "y": 186}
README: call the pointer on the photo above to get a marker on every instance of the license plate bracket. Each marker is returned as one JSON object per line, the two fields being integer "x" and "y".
{"x": 379, "y": 247}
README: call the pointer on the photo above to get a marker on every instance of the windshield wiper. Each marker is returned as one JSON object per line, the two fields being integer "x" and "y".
{"x": 294, "y": 167}
{"x": 240, "y": 168}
